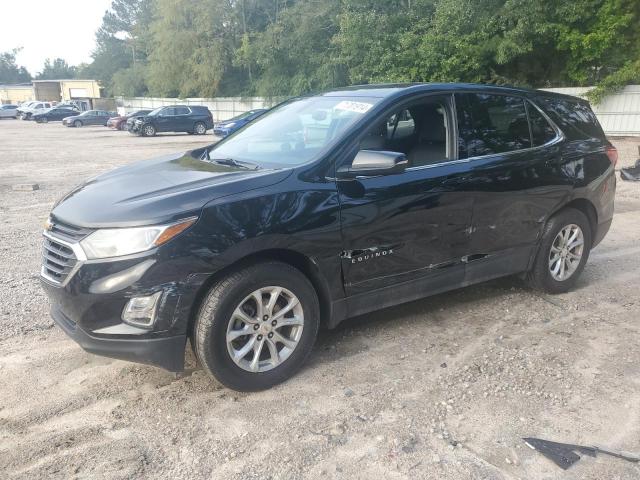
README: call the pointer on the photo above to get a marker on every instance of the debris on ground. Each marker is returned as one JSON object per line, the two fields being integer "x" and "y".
{"x": 564, "y": 454}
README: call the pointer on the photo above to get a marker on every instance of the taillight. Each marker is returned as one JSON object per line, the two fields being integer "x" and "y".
{"x": 612, "y": 153}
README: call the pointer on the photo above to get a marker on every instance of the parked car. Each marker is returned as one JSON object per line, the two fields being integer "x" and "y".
{"x": 90, "y": 117}
{"x": 222, "y": 129}
{"x": 55, "y": 114}
{"x": 8, "y": 111}
{"x": 177, "y": 118}
{"x": 131, "y": 122}
{"x": 120, "y": 122}
{"x": 320, "y": 210}
{"x": 26, "y": 112}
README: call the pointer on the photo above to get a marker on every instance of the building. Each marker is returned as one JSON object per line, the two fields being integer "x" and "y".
{"x": 64, "y": 90}
{"x": 16, "y": 93}
{"x": 85, "y": 92}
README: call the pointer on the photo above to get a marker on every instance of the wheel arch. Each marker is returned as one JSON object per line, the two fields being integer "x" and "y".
{"x": 588, "y": 208}
{"x": 305, "y": 264}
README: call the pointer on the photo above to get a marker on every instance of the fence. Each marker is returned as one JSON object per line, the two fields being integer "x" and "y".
{"x": 619, "y": 113}
{"x": 222, "y": 108}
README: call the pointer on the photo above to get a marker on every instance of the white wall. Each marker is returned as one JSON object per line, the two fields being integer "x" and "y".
{"x": 222, "y": 108}
{"x": 619, "y": 113}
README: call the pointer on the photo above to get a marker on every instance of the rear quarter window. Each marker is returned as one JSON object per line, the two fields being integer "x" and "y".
{"x": 575, "y": 118}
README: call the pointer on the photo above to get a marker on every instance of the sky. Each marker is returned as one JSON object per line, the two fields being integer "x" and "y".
{"x": 50, "y": 29}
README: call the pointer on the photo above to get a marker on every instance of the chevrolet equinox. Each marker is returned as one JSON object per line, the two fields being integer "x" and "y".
{"x": 326, "y": 207}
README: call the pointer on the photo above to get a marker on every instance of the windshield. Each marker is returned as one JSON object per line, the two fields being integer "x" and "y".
{"x": 294, "y": 133}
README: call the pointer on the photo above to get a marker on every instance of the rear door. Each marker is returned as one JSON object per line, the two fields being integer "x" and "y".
{"x": 516, "y": 179}
{"x": 411, "y": 226}
{"x": 184, "y": 119}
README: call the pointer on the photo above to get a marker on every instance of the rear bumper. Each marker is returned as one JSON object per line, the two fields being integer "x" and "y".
{"x": 167, "y": 352}
{"x": 601, "y": 231}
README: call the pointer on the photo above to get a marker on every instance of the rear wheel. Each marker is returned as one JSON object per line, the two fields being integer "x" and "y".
{"x": 199, "y": 128}
{"x": 563, "y": 252}
{"x": 257, "y": 326}
{"x": 77, "y": 123}
{"x": 148, "y": 131}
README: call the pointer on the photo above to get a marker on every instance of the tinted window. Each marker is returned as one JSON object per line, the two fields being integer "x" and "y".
{"x": 419, "y": 131}
{"x": 576, "y": 119}
{"x": 489, "y": 124}
{"x": 167, "y": 112}
{"x": 541, "y": 130}
{"x": 182, "y": 111}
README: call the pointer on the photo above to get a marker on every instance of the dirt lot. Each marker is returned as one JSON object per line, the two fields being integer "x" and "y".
{"x": 441, "y": 388}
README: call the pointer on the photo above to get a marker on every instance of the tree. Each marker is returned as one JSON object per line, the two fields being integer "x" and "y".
{"x": 57, "y": 68}
{"x": 121, "y": 41}
{"x": 10, "y": 72}
{"x": 192, "y": 47}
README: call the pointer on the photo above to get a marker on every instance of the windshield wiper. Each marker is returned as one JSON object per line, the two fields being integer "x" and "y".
{"x": 235, "y": 163}
{"x": 232, "y": 162}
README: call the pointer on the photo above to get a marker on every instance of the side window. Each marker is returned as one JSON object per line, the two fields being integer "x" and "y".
{"x": 576, "y": 119}
{"x": 489, "y": 124}
{"x": 182, "y": 111}
{"x": 541, "y": 130}
{"x": 168, "y": 112}
{"x": 420, "y": 131}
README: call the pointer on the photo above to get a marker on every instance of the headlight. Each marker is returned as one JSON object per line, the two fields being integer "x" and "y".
{"x": 115, "y": 242}
{"x": 230, "y": 125}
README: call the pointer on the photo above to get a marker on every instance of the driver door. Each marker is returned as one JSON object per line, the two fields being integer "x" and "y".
{"x": 165, "y": 120}
{"x": 410, "y": 228}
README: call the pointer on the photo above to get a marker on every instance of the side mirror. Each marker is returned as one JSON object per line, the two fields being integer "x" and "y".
{"x": 371, "y": 163}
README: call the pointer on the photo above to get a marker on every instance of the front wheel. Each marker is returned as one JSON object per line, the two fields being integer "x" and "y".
{"x": 257, "y": 326}
{"x": 148, "y": 131}
{"x": 77, "y": 124}
{"x": 44, "y": 120}
{"x": 563, "y": 252}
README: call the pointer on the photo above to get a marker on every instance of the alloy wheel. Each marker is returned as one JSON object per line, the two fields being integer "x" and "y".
{"x": 566, "y": 252}
{"x": 265, "y": 329}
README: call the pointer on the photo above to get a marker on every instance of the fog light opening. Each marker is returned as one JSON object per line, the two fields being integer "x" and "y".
{"x": 141, "y": 311}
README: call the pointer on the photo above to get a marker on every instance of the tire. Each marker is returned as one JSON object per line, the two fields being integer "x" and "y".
{"x": 199, "y": 128}
{"x": 122, "y": 126}
{"x": 216, "y": 317}
{"x": 547, "y": 272}
{"x": 77, "y": 123}
{"x": 44, "y": 120}
{"x": 148, "y": 131}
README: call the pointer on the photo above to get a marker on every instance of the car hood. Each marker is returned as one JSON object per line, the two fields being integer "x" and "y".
{"x": 157, "y": 191}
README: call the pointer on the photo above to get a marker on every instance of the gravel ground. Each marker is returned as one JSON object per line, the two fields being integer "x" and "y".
{"x": 440, "y": 388}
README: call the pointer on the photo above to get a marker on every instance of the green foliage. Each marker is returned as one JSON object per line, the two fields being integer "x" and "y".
{"x": 56, "y": 69}
{"x": 10, "y": 72}
{"x": 289, "y": 47}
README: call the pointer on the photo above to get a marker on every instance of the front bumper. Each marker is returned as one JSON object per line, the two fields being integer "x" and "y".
{"x": 221, "y": 132}
{"x": 89, "y": 307}
{"x": 164, "y": 352}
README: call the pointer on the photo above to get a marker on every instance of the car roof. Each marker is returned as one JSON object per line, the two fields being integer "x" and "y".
{"x": 389, "y": 90}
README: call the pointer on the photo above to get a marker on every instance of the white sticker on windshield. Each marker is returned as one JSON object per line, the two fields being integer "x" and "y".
{"x": 357, "y": 107}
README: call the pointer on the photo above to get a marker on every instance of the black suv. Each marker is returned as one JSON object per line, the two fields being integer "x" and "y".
{"x": 324, "y": 208}
{"x": 177, "y": 118}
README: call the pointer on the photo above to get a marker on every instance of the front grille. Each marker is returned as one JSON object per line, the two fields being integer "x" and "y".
{"x": 59, "y": 260}
{"x": 69, "y": 233}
